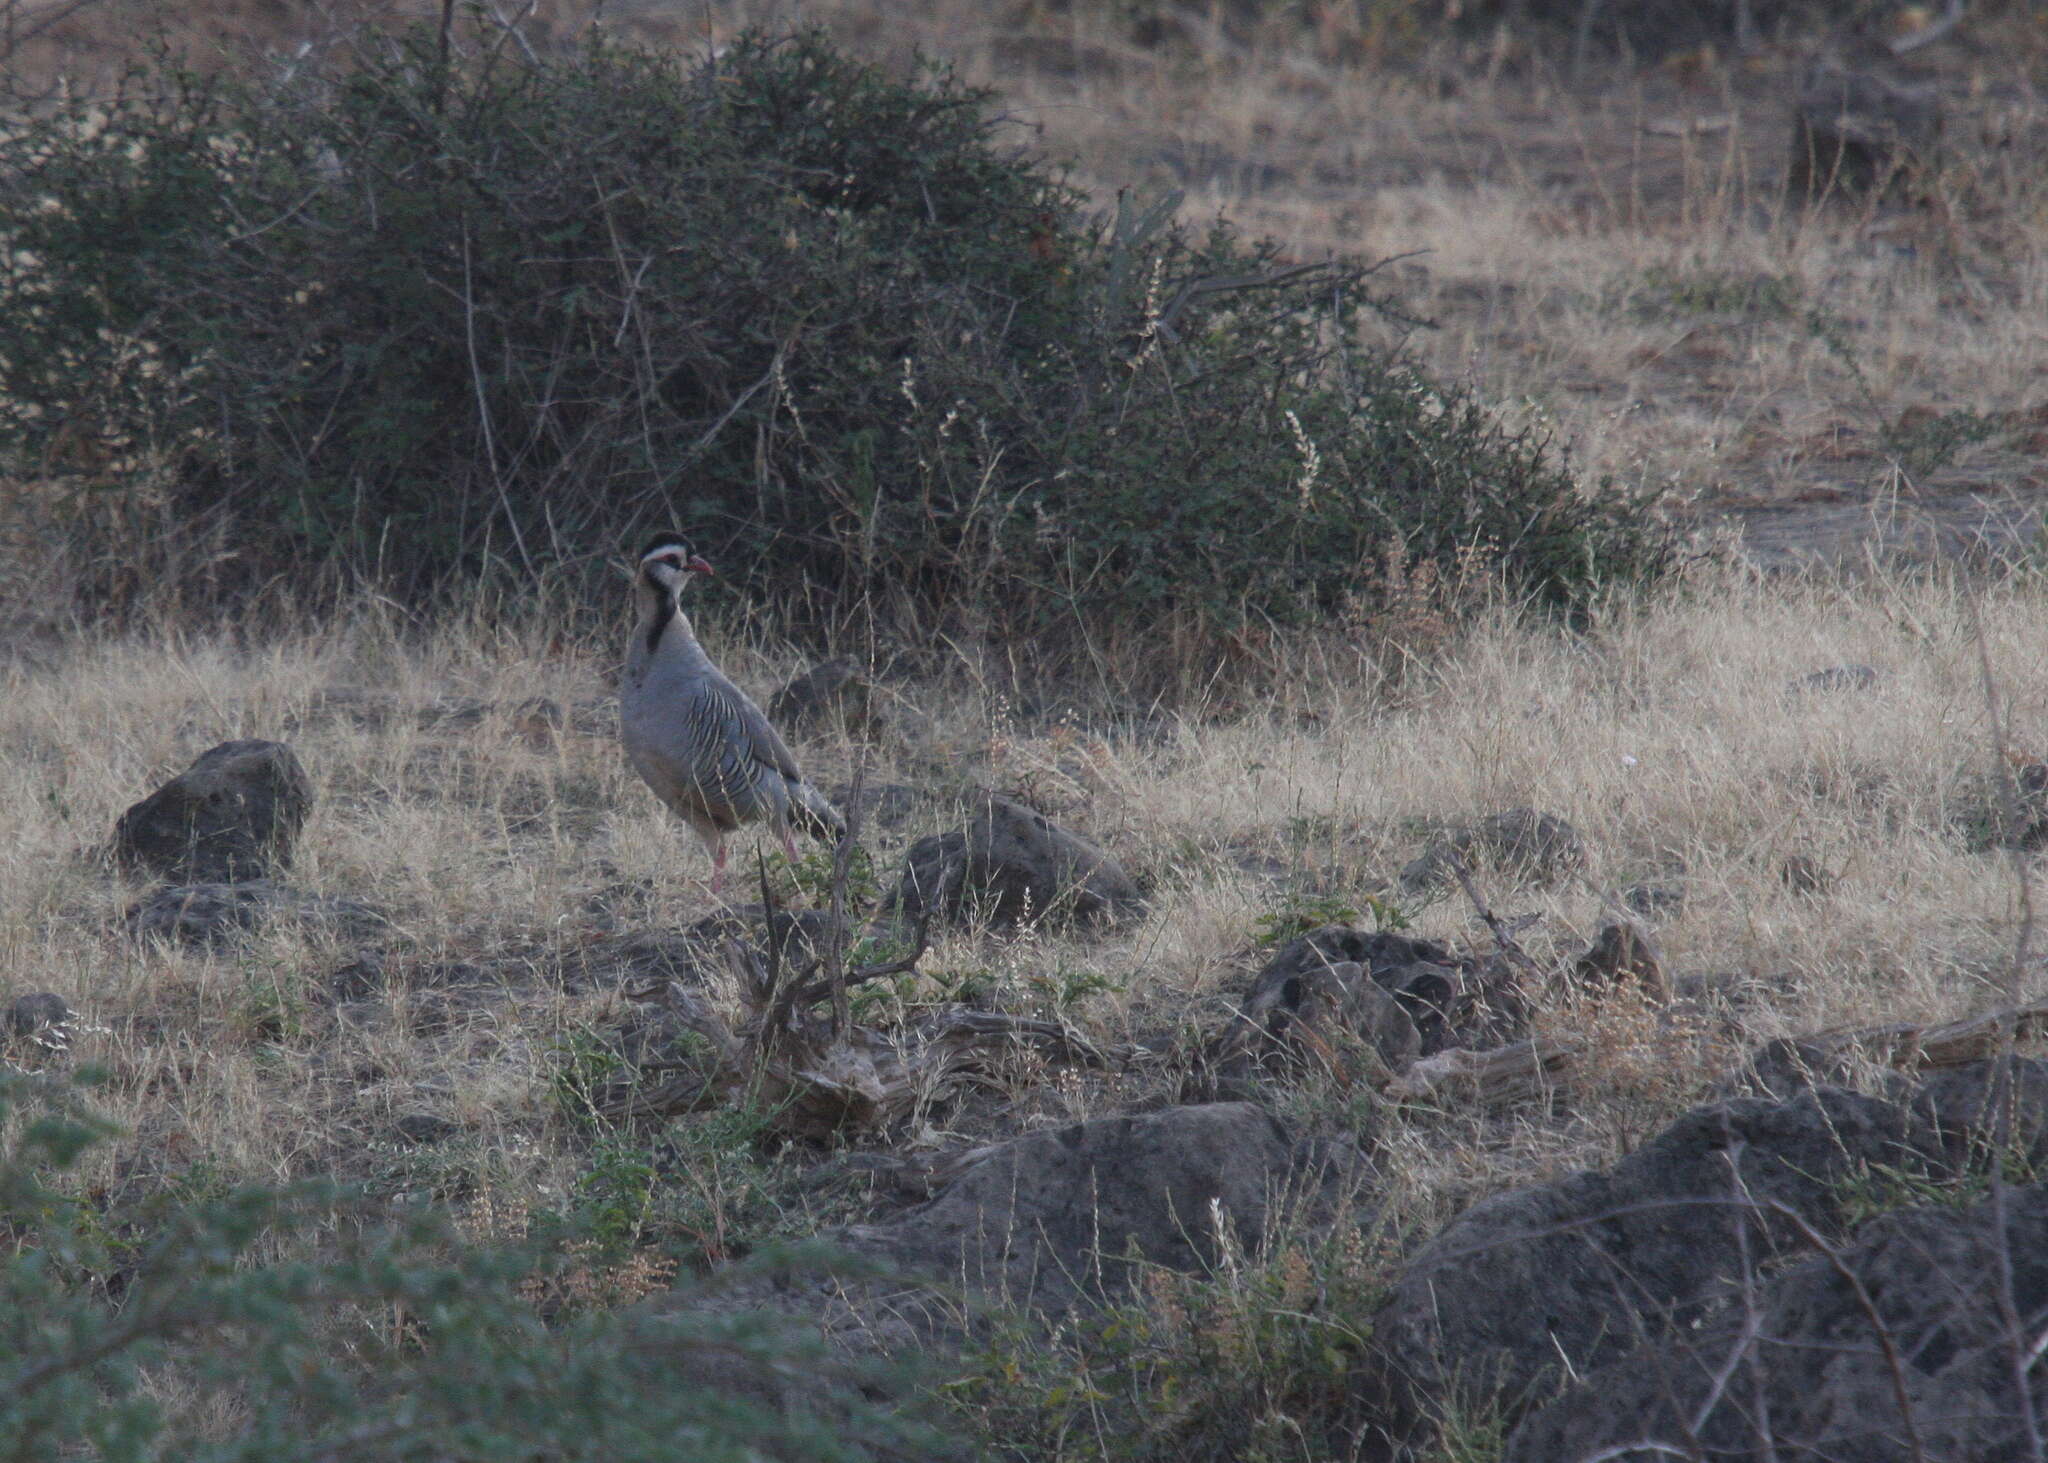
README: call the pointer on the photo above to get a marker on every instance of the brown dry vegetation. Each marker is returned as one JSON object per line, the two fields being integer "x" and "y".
{"x": 1667, "y": 736}
{"x": 1652, "y": 297}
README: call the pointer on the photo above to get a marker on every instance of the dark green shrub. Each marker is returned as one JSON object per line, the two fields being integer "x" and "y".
{"x": 338, "y": 1337}
{"x": 426, "y": 320}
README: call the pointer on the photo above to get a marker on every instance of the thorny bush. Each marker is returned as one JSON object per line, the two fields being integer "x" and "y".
{"x": 414, "y": 317}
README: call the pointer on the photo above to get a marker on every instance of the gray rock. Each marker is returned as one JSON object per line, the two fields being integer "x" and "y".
{"x": 1572, "y": 1275}
{"x": 1860, "y": 125}
{"x": 1834, "y": 678}
{"x": 749, "y": 1337}
{"x": 1526, "y": 845}
{"x": 1819, "y": 1366}
{"x": 1332, "y": 1019}
{"x": 1058, "y": 1221}
{"x": 1654, "y": 901}
{"x": 1435, "y": 989}
{"x": 1964, "y": 1114}
{"x": 37, "y": 1011}
{"x": 35, "y": 1024}
{"x": 1058, "y": 1217}
{"x": 1561, "y": 1280}
{"x": 1345, "y": 998}
{"x": 833, "y": 692}
{"x": 1011, "y": 864}
{"x": 233, "y": 814}
{"x": 213, "y": 914}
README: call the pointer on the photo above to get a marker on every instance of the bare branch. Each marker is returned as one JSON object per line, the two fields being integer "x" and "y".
{"x": 819, "y": 990}
{"x": 1503, "y": 935}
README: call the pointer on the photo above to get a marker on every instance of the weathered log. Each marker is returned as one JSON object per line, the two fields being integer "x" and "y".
{"x": 1524, "y": 1070}
{"x": 1495, "y": 1077}
{"x": 1918, "y": 1046}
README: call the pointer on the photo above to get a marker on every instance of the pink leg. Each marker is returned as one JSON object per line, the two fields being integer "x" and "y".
{"x": 789, "y": 845}
{"x": 717, "y": 865}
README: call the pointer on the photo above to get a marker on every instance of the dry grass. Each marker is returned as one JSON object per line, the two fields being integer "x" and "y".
{"x": 1666, "y": 734}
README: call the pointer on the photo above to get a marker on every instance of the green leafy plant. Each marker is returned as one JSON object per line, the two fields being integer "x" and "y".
{"x": 428, "y": 314}
{"x": 813, "y": 875}
{"x": 581, "y": 1068}
{"x": 271, "y": 1007}
{"x": 1871, "y": 1189}
{"x": 1064, "y": 987}
{"x": 1298, "y": 913}
{"x": 615, "y": 1193}
{"x": 719, "y": 1196}
{"x": 889, "y": 1000}
{"x": 337, "y": 1331}
{"x": 1919, "y": 440}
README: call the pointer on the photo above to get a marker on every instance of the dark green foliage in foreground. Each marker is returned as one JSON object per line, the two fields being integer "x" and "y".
{"x": 422, "y": 320}
{"x": 339, "y": 1340}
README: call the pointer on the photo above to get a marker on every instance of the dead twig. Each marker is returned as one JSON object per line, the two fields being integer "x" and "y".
{"x": 818, "y": 990}
{"x": 1503, "y": 933}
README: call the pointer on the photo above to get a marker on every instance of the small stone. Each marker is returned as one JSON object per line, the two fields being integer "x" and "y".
{"x": 1009, "y": 865}
{"x": 1322, "y": 975}
{"x": 1802, "y": 873}
{"x": 1834, "y": 678}
{"x": 1622, "y": 952}
{"x": 35, "y": 1012}
{"x": 832, "y": 691}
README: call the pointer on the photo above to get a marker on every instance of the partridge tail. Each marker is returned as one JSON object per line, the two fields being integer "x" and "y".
{"x": 813, "y": 812}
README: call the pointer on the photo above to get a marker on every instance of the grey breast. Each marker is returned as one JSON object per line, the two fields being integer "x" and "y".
{"x": 701, "y": 744}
